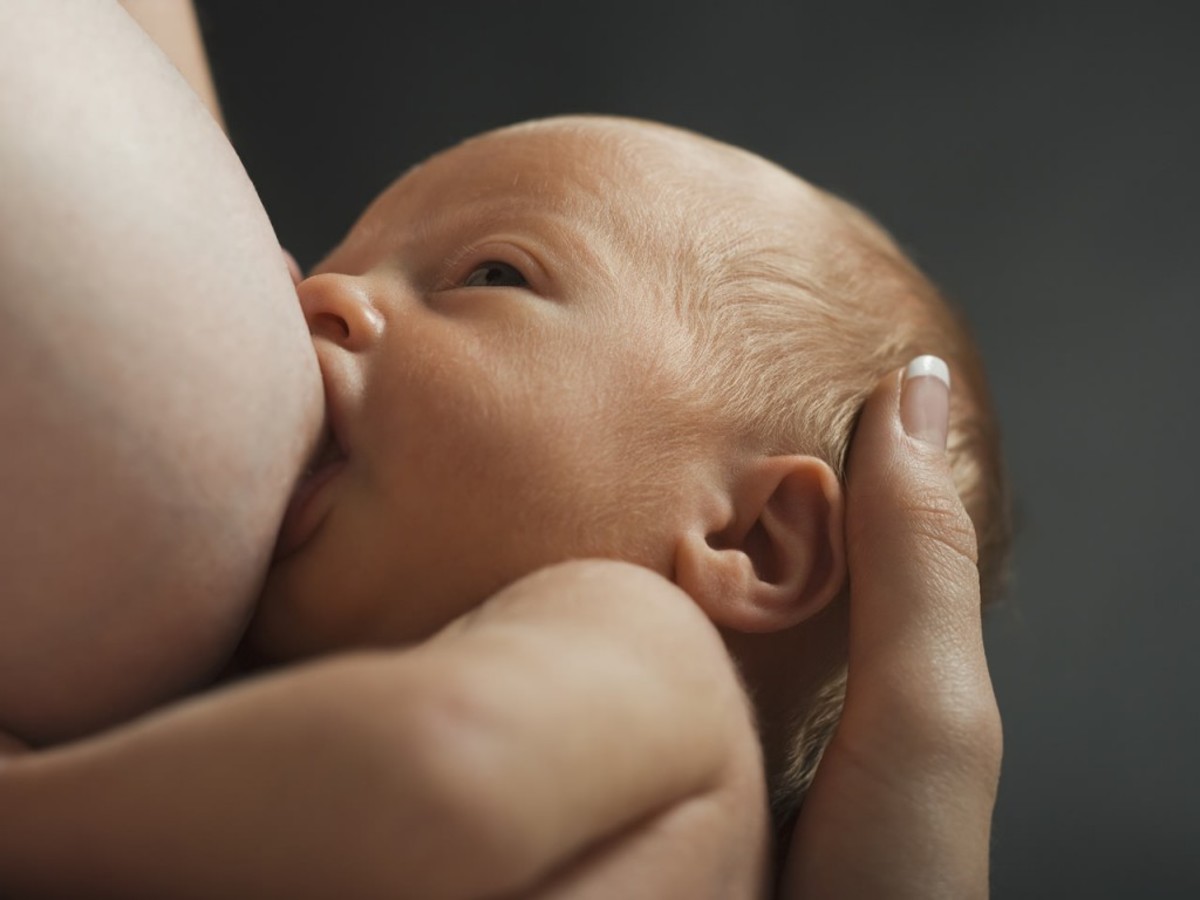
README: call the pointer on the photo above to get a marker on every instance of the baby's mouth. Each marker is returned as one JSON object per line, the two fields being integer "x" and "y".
{"x": 329, "y": 452}
{"x": 307, "y": 509}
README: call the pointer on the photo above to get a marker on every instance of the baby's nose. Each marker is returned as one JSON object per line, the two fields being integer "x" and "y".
{"x": 339, "y": 309}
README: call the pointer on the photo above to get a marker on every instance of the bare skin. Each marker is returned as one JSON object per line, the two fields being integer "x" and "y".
{"x": 173, "y": 26}
{"x": 902, "y": 803}
{"x": 235, "y": 742}
{"x": 154, "y": 362}
{"x": 103, "y": 791}
{"x": 440, "y": 772}
{"x": 900, "y": 809}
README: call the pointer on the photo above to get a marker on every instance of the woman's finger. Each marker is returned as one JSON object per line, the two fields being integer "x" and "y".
{"x": 902, "y": 801}
{"x": 910, "y": 543}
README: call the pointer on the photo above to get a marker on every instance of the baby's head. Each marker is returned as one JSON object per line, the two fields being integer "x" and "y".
{"x": 597, "y": 337}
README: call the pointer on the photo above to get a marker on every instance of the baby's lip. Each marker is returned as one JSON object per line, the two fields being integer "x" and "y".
{"x": 335, "y": 414}
{"x": 329, "y": 450}
{"x": 309, "y": 504}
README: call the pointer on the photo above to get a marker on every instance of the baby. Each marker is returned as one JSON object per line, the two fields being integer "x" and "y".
{"x": 579, "y": 338}
{"x": 592, "y": 337}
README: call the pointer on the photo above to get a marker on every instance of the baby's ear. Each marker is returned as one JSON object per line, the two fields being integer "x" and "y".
{"x": 774, "y": 554}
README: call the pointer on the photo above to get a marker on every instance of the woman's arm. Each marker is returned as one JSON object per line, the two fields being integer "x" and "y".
{"x": 172, "y": 24}
{"x": 576, "y": 705}
{"x": 154, "y": 364}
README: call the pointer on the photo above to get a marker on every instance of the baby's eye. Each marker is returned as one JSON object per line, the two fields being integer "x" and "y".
{"x": 495, "y": 274}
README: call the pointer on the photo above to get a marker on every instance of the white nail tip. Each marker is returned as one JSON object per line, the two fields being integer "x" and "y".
{"x": 928, "y": 365}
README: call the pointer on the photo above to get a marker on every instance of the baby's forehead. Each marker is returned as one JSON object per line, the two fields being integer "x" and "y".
{"x": 652, "y": 173}
{"x": 640, "y": 196}
{"x": 563, "y": 167}
{"x": 580, "y": 185}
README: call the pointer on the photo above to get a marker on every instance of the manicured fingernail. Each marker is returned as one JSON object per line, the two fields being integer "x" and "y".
{"x": 925, "y": 400}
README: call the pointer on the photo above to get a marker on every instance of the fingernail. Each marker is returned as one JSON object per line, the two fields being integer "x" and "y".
{"x": 925, "y": 400}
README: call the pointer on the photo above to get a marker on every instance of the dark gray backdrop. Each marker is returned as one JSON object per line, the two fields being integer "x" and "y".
{"x": 1039, "y": 161}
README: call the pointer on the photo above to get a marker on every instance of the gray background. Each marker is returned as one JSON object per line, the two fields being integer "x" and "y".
{"x": 1039, "y": 161}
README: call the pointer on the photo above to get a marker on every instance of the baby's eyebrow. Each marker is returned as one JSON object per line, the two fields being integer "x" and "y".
{"x": 480, "y": 213}
{"x": 574, "y": 239}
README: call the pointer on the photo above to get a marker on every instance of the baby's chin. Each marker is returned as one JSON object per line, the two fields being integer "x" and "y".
{"x": 286, "y": 624}
{"x": 305, "y": 609}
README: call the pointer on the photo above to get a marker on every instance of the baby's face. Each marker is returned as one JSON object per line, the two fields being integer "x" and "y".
{"x": 495, "y": 369}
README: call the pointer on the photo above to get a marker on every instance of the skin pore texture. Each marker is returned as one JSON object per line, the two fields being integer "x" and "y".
{"x": 511, "y": 383}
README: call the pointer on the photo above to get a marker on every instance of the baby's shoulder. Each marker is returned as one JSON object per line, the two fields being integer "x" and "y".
{"x": 618, "y": 621}
{"x": 599, "y": 602}
{"x": 664, "y": 697}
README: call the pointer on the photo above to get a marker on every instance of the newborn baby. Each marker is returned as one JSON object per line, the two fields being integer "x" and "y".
{"x": 575, "y": 338}
{"x": 593, "y": 337}
{"x": 584, "y": 337}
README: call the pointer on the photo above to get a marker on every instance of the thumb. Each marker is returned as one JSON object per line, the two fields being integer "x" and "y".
{"x": 903, "y": 797}
{"x": 911, "y": 549}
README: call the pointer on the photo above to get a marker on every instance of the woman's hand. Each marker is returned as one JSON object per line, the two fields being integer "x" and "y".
{"x": 902, "y": 802}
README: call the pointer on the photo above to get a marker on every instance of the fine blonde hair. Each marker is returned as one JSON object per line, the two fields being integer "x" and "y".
{"x": 800, "y": 303}
{"x": 797, "y": 304}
